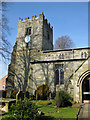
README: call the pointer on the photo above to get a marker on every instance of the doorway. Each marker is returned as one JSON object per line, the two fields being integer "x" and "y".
{"x": 86, "y": 89}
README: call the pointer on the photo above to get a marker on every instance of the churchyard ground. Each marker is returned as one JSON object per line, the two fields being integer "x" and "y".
{"x": 49, "y": 109}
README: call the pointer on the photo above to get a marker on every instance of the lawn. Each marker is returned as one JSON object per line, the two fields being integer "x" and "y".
{"x": 49, "y": 109}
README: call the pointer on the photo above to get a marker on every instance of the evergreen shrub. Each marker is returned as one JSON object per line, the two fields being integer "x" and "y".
{"x": 42, "y": 92}
{"x": 22, "y": 110}
{"x": 63, "y": 99}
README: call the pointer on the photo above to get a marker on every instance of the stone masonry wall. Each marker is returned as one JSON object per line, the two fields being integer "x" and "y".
{"x": 41, "y": 33}
{"x": 72, "y": 62}
{"x": 35, "y": 65}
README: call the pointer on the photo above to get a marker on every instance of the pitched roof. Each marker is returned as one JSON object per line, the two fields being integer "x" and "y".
{"x": 4, "y": 77}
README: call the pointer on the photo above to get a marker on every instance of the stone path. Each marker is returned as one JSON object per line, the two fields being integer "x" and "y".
{"x": 84, "y": 113}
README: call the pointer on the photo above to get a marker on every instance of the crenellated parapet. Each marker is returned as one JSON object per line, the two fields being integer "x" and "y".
{"x": 33, "y": 17}
{"x": 41, "y": 17}
{"x": 34, "y": 62}
{"x": 40, "y": 31}
{"x": 26, "y": 18}
{"x": 48, "y": 24}
{"x": 20, "y": 19}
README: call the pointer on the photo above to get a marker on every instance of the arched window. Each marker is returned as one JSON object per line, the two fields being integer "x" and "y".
{"x": 62, "y": 56}
{"x": 82, "y": 55}
{"x": 85, "y": 54}
{"x": 56, "y": 77}
{"x": 28, "y": 31}
{"x": 61, "y": 76}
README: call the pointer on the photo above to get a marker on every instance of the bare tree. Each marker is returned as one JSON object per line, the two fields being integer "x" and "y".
{"x": 20, "y": 75}
{"x": 20, "y": 69}
{"x": 5, "y": 29}
{"x": 63, "y": 42}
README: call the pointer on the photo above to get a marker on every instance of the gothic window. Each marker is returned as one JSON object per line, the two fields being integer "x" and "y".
{"x": 61, "y": 76}
{"x": 61, "y": 66}
{"x": 28, "y": 31}
{"x": 56, "y": 77}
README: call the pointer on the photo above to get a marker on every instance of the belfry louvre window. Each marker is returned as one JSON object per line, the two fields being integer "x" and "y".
{"x": 28, "y": 31}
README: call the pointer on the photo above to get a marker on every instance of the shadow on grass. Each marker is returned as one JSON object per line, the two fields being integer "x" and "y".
{"x": 52, "y": 118}
{"x": 45, "y": 118}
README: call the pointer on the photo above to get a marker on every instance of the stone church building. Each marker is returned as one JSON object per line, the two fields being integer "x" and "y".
{"x": 34, "y": 62}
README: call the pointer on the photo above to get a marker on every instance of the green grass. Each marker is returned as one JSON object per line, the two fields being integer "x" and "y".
{"x": 53, "y": 111}
{"x": 43, "y": 102}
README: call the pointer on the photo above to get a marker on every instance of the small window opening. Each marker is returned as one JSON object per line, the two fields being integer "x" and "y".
{"x": 85, "y": 54}
{"x": 28, "y": 31}
{"x": 82, "y": 55}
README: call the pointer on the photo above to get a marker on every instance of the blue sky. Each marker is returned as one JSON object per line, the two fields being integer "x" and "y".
{"x": 67, "y": 18}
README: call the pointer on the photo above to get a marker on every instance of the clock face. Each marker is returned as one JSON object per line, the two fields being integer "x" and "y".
{"x": 27, "y": 39}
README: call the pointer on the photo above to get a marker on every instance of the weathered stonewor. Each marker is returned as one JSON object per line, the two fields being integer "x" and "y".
{"x": 36, "y": 63}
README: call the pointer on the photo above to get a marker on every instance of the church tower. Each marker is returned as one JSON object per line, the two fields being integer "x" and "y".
{"x": 33, "y": 36}
{"x": 39, "y": 31}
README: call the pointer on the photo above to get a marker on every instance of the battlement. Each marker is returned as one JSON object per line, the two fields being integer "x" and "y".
{"x": 41, "y": 16}
{"x": 48, "y": 23}
{"x": 33, "y": 17}
{"x": 40, "y": 31}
